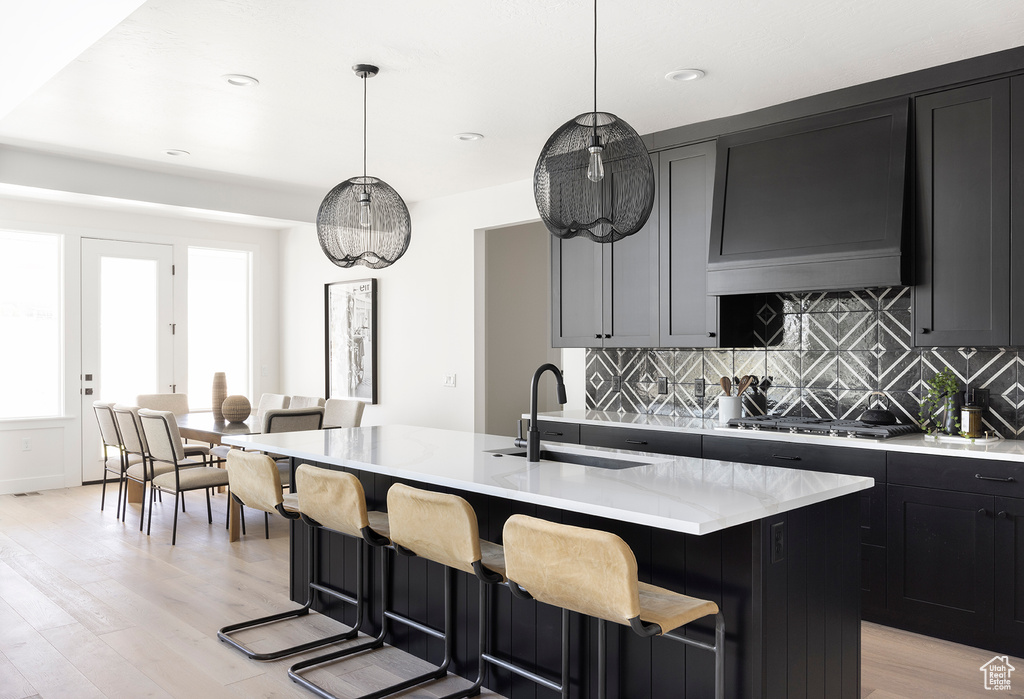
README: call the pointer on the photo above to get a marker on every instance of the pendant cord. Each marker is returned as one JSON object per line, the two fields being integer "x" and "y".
{"x": 364, "y": 129}
{"x": 595, "y": 66}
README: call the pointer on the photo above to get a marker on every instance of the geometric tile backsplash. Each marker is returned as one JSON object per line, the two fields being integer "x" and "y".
{"x": 824, "y": 354}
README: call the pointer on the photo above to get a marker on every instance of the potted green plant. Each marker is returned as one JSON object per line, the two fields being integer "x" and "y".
{"x": 938, "y": 406}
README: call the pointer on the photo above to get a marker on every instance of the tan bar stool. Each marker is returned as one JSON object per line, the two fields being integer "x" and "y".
{"x": 335, "y": 501}
{"x": 441, "y": 528}
{"x": 595, "y": 573}
{"x": 256, "y": 482}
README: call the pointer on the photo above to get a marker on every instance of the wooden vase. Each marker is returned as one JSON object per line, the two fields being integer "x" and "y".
{"x": 220, "y": 392}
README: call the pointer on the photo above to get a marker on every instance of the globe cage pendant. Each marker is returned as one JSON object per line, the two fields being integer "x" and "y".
{"x": 594, "y": 176}
{"x": 364, "y": 220}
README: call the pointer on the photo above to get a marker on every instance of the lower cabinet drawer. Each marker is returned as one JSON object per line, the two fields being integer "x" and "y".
{"x": 654, "y": 441}
{"x": 964, "y": 475}
{"x": 551, "y": 431}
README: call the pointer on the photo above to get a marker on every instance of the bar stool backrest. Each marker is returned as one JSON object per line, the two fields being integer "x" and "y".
{"x": 436, "y": 526}
{"x": 583, "y": 570}
{"x": 176, "y": 403}
{"x": 127, "y": 418}
{"x": 335, "y": 499}
{"x": 254, "y": 479}
{"x": 108, "y": 429}
{"x": 162, "y": 436}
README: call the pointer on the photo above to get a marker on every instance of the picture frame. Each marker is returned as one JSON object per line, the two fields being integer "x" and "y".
{"x": 350, "y": 311}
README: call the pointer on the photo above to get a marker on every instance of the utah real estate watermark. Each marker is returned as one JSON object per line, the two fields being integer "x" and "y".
{"x": 997, "y": 673}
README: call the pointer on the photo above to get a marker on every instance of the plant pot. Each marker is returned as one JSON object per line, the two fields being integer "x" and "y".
{"x": 951, "y": 412}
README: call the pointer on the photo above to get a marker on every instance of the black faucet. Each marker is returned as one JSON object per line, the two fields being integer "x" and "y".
{"x": 532, "y": 441}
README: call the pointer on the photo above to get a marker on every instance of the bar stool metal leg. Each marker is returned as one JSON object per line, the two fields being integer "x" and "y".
{"x": 311, "y": 592}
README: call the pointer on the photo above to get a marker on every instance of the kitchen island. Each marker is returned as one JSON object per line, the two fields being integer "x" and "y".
{"x": 776, "y": 548}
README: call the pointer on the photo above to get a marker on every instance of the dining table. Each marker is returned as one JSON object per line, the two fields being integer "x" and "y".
{"x": 204, "y": 427}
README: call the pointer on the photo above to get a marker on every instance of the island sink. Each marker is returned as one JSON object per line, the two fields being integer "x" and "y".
{"x": 572, "y": 458}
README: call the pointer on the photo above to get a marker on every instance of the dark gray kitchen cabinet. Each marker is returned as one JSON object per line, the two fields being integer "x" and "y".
{"x": 1016, "y": 209}
{"x": 689, "y": 317}
{"x": 606, "y": 294}
{"x": 963, "y": 217}
{"x": 956, "y": 549}
{"x": 940, "y": 559}
{"x": 1009, "y": 568}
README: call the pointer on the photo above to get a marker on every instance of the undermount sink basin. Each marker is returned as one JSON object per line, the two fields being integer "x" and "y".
{"x": 571, "y": 458}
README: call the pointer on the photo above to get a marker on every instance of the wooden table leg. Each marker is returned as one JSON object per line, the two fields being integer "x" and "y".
{"x": 233, "y": 519}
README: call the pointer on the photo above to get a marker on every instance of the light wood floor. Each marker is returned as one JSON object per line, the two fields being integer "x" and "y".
{"x": 90, "y": 607}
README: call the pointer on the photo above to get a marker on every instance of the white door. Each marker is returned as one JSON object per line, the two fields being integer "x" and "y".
{"x": 127, "y": 331}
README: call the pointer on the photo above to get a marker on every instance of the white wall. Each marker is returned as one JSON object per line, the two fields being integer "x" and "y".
{"x": 517, "y": 324}
{"x": 55, "y": 459}
{"x": 427, "y": 309}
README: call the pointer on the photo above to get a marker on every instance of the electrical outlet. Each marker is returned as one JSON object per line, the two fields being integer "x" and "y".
{"x": 698, "y": 388}
{"x": 778, "y": 542}
{"x": 448, "y": 381}
{"x": 26, "y": 444}
{"x": 662, "y": 385}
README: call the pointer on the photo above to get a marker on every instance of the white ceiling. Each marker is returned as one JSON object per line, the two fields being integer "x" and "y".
{"x": 513, "y": 70}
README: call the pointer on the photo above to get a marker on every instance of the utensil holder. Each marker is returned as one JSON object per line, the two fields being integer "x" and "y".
{"x": 729, "y": 407}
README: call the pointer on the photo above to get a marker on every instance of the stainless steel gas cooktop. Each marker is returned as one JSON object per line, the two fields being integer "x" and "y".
{"x": 821, "y": 426}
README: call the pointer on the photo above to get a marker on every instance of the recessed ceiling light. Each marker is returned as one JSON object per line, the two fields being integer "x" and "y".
{"x": 685, "y": 74}
{"x": 468, "y": 136}
{"x": 239, "y": 80}
{"x": 175, "y": 152}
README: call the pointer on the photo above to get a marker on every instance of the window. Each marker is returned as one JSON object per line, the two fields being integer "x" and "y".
{"x": 219, "y": 322}
{"x": 31, "y": 321}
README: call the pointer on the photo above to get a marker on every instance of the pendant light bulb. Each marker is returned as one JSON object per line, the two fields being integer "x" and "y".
{"x": 365, "y": 214}
{"x": 595, "y": 169}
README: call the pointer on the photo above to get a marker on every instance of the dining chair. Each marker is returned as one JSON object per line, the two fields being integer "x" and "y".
{"x": 134, "y": 441}
{"x": 291, "y": 420}
{"x": 270, "y": 401}
{"x": 343, "y": 412}
{"x": 305, "y": 402}
{"x": 176, "y": 403}
{"x": 164, "y": 445}
{"x": 111, "y": 438}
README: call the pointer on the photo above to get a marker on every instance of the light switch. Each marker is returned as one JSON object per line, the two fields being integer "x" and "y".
{"x": 449, "y": 381}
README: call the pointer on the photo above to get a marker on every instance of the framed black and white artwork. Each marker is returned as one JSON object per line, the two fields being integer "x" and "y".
{"x": 351, "y": 334}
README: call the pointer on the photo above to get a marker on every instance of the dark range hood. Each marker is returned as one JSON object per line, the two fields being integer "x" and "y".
{"x": 812, "y": 204}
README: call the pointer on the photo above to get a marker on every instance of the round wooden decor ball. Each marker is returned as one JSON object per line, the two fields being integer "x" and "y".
{"x": 236, "y": 408}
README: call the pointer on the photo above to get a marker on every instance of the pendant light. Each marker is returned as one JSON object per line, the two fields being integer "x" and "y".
{"x": 363, "y": 220}
{"x": 594, "y": 177}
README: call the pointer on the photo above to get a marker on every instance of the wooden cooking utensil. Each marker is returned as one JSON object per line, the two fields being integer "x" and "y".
{"x": 726, "y": 385}
{"x": 745, "y": 384}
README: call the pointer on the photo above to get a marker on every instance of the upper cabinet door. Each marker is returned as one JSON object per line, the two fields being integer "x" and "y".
{"x": 631, "y": 285}
{"x": 1017, "y": 211}
{"x": 577, "y": 280}
{"x": 689, "y": 317}
{"x": 963, "y": 217}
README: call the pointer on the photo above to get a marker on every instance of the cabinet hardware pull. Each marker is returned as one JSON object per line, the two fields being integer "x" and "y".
{"x": 785, "y": 458}
{"x": 1002, "y": 514}
{"x": 925, "y": 331}
{"x": 557, "y": 434}
{"x": 990, "y": 478}
{"x": 711, "y": 334}
{"x": 635, "y": 441}
{"x": 597, "y": 336}
{"x": 983, "y": 512}
{"x": 607, "y": 334}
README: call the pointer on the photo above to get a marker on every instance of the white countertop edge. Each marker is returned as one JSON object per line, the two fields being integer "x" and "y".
{"x": 1004, "y": 450}
{"x": 853, "y": 485}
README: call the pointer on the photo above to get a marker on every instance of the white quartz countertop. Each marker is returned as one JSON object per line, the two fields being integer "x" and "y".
{"x": 689, "y": 495}
{"x": 1003, "y": 450}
